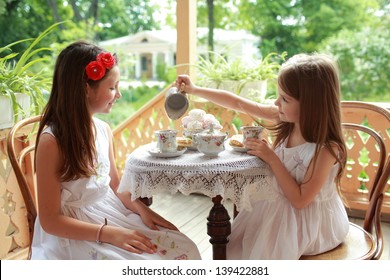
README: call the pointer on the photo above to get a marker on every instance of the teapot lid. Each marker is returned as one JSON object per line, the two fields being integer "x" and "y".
{"x": 211, "y": 132}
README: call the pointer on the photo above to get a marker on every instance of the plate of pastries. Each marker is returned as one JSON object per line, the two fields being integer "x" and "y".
{"x": 236, "y": 143}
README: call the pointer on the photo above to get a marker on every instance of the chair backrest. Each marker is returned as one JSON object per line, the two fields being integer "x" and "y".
{"x": 368, "y": 114}
{"x": 366, "y": 156}
{"x": 372, "y": 219}
{"x": 20, "y": 148}
{"x": 378, "y": 118}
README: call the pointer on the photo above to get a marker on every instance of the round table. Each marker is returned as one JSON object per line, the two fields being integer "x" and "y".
{"x": 237, "y": 176}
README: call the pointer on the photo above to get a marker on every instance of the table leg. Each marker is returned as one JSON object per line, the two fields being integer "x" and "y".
{"x": 146, "y": 200}
{"x": 218, "y": 228}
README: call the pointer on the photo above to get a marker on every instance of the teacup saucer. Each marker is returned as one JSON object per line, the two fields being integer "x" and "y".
{"x": 157, "y": 153}
{"x": 239, "y": 149}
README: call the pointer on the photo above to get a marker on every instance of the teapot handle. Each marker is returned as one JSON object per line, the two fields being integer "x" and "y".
{"x": 195, "y": 138}
{"x": 226, "y": 136}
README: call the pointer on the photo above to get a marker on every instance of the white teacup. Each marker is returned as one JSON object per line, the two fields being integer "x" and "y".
{"x": 251, "y": 132}
{"x": 166, "y": 140}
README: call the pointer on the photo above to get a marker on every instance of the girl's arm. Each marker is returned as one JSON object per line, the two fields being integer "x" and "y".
{"x": 228, "y": 99}
{"x": 149, "y": 217}
{"x": 301, "y": 195}
{"x": 52, "y": 220}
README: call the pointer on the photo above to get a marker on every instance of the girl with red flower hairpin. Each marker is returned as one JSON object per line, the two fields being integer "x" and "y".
{"x": 81, "y": 214}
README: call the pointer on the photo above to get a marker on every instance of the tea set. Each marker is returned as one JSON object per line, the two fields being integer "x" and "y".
{"x": 208, "y": 140}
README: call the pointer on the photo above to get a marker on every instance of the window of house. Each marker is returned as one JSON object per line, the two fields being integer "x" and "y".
{"x": 144, "y": 63}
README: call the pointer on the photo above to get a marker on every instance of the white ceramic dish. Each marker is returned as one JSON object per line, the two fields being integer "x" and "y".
{"x": 193, "y": 148}
{"x": 239, "y": 149}
{"x": 210, "y": 143}
{"x": 190, "y": 134}
{"x": 157, "y": 153}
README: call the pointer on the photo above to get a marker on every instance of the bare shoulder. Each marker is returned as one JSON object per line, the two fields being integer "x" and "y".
{"x": 47, "y": 140}
{"x": 328, "y": 154}
{"x": 47, "y": 146}
{"x": 335, "y": 148}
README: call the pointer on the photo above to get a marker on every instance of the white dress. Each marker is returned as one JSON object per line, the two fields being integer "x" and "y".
{"x": 274, "y": 229}
{"x": 92, "y": 200}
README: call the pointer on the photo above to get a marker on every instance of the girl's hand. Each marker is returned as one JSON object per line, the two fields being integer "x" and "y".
{"x": 152, "y": 220}
{"x": 183, "y": 83}
{"x": 148, "y": 216}
{"x": 261, "y": 149}
{"x": 129, "y": 240}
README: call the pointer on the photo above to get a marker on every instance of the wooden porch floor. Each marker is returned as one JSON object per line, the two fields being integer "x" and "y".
{"x": 189, "y": 214}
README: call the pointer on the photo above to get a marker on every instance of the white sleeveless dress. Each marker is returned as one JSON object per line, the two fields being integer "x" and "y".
{"x": 274, "y": 229}
{"x": 92, "y": 200}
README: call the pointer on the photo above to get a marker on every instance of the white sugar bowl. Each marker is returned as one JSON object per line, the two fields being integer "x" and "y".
{"x": 211, "y": 142}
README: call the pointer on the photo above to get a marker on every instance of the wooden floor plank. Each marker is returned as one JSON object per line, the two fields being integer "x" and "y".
{"x": 189, "y": 214}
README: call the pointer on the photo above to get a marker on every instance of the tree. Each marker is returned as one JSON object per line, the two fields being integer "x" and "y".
{"x": 111, "y": 19}
{"x": 215, "y": 14}
{"x": 95, "y": 20}
{"x": 123, "y": 17}
{"x": 301, "y": 25}
{"x": 210, "y": 13}
{"x": 225, "y": 14}
{"x": 330, "y": 17}
{"x": 16, "y": 18}
{"x": 364, "y": 59}
{"x": 349, "y": 29}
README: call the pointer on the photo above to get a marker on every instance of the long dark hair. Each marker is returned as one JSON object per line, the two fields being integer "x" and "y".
{"x": 67, "y": 112}
{"x": 313, "y": 80}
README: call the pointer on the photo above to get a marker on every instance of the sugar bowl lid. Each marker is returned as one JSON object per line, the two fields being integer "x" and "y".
{"x": 211, "y": 132}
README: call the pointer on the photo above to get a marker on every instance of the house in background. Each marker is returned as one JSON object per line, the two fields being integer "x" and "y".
{"x": 141, "y": 54}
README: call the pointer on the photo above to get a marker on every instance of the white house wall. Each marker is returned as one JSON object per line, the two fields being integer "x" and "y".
{"x": 162, "y": 43}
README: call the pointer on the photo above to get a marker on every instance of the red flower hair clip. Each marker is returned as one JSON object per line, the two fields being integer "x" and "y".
{"x": 96, "y": 69}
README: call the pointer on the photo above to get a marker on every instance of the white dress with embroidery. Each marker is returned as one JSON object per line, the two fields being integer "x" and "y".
{"x": 274, "y": 229}
{"x": 92, "y": 200}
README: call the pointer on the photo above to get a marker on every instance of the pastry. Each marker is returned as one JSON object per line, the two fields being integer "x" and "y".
{"x": 236, "y": 141}
{"x": 184, "y": 141}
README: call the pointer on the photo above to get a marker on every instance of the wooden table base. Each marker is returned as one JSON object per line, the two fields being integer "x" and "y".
{"x": 218, "y": 228}
{"x": 146, "y": 200}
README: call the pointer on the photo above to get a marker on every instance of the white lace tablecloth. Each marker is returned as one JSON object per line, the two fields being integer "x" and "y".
{"x": 232, "y": 175}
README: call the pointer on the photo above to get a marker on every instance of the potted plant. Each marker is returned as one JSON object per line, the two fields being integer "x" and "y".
{"x": 211, "y": 70}
{"x": 264, "y": 70}
{"x": 21, "y": 89}
{"x": 239, "y": 76}
{"x": 217, "y": 72}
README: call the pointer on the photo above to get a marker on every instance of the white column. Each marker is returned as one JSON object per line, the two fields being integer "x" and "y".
{"x": 154, "y": 65}
{"x": 137, "y": 65}
{"x": 168, "y": 58}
